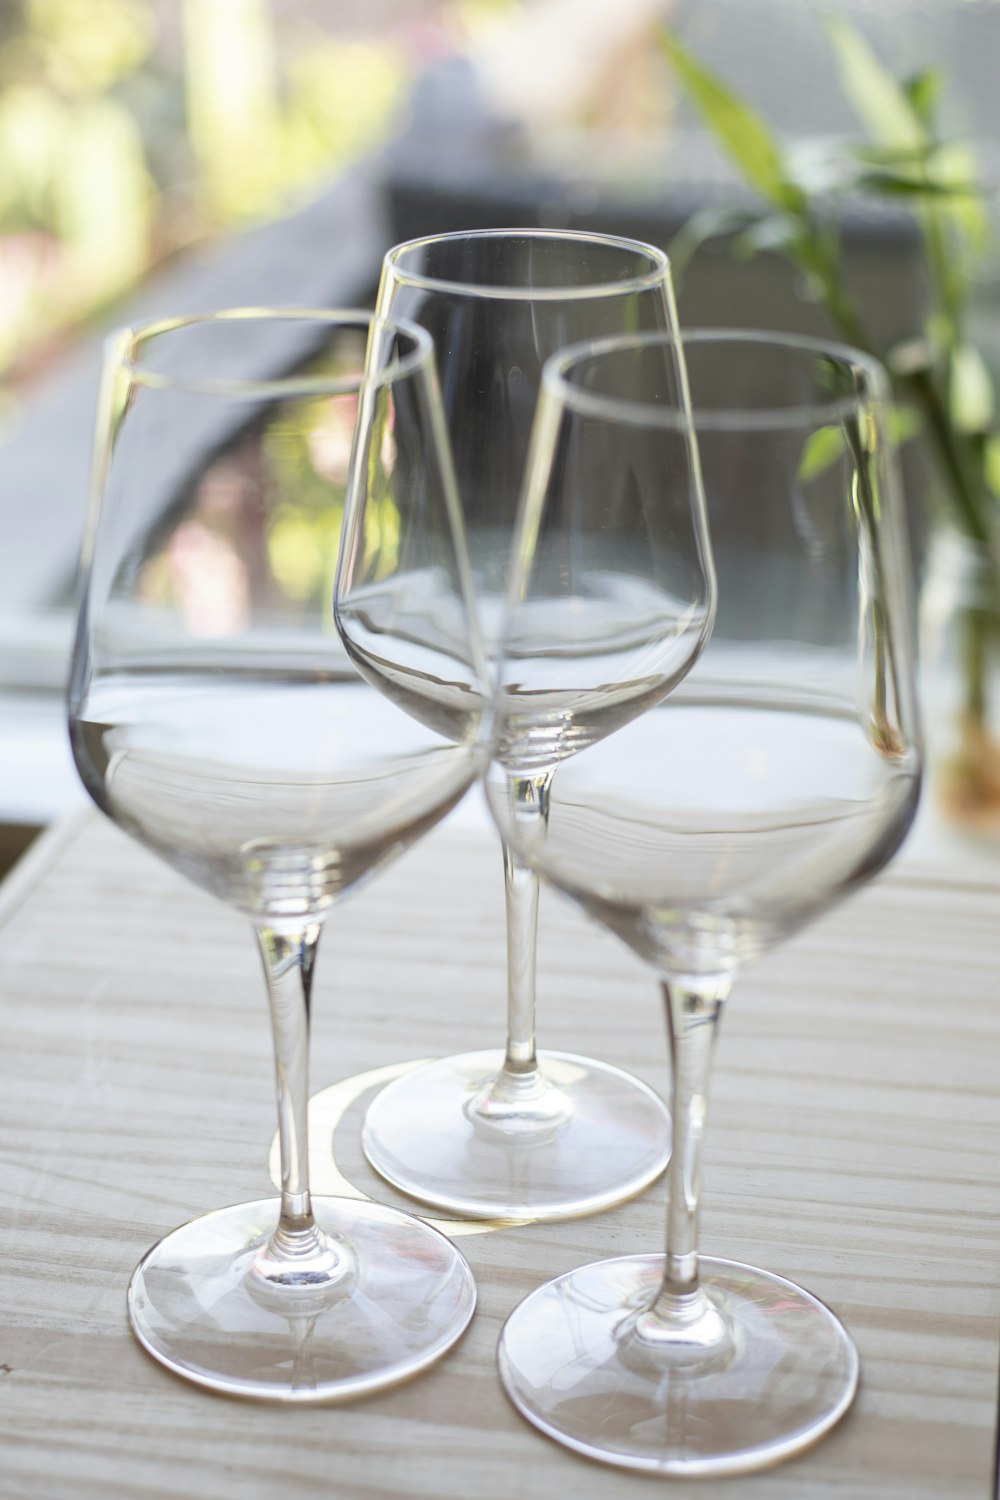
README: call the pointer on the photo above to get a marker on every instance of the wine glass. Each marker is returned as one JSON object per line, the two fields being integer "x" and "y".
{"x": 216, "y": 717}
{"x": 781, "y": 775}
{"x": 516, "y": 1134}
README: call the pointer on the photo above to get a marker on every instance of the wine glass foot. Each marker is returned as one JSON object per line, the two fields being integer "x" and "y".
{"x": 571, "y": 1362}
{"x": 400, "y": 1296}
{"x": 597, "y": 1137}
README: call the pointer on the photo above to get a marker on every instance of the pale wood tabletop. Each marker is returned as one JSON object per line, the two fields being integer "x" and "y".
{"x": 853, "y": 1146}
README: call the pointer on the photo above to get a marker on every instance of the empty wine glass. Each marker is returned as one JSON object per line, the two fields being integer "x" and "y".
{"x": 216, "y": 718}
{"x": 778, "y": 777}
{"x": 512, "y": 1133}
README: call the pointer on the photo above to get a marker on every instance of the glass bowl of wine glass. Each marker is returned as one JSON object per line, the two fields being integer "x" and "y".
{"x": 774, "y": 781}
{"x": 217, "y": 718}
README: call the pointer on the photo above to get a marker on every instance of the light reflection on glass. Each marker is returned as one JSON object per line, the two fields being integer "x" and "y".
{"x": 294, "y": 480}
{"x": 208, "y": 581}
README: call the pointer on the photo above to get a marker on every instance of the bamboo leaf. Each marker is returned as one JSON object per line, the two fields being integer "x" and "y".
{"x": 896, "y": 156}
{"x": 971, "y": 394}
{"x": 955, "y": 161}
{"x": 991, "y": 463}
{"x": 826, "y": 445}
{"x": 923, "y": 90}
{"x": 928, "y": 170}
{"x": 888, "y": 184}
{"x": 819, "y": 166}
{"x": 822, "y": 450}
{"x": 708, "y": 224}
{"x": 897, "y": 117}
{"x": 904, "y": 424}
{"x": 877, "y": 98}
{"x": 739, "y": 129}
{"x": 776, "y": 232}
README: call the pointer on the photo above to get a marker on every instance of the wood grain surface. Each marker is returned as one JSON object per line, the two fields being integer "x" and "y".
{"x": 853, "y": 1146}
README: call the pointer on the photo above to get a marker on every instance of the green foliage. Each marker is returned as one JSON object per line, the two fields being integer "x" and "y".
{"x": 824, "y": 447}
{"x": 991, "y": 463}
{"x": 85, "y": 47}
{"x": 822, "y": 450}
{"x": 880, "y": 102}
{"x": 743, "y": 133}
{"x": 923, "y": 91}
{"x": 939, "y": 374}
{"x": 111, "y": 156}
{"x": 261, "y": 137}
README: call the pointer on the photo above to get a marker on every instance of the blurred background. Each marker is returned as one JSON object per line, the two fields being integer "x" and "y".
{"x": 168, "y": 156}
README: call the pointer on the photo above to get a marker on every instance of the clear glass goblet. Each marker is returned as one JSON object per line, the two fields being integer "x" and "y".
{"x": 516, "y": 1133}
{"x": 216, "y": 717}
{"x": 780, "y": 775}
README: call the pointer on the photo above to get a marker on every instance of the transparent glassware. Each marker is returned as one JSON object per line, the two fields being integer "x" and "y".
{"x": 778, "y": 777}
{"x": 960, "y": 664}
{"x": 515, "y": 1133}
{"x": 217, "y": 718}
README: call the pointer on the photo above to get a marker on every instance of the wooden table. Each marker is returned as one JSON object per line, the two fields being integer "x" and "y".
{"x": 853, "y": 1146}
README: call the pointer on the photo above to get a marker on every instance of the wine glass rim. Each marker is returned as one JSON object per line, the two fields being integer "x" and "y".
{"x": 714, "y": 419}
{"x": 658, "y": 270}
{"x": 124, "y": 344}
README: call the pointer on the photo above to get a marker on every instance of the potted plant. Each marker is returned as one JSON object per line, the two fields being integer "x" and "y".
{"x": 944, "y": 388}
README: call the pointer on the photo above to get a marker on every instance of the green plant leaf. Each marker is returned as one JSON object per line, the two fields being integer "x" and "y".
{"x": 887, "y": 184}
{"x": 781, "y": 233}
{"x": 955, "y": 161}
{"x": 825, "y": 446}
{"x": 896, "y": 156}
{"x": 899, "y": 117}
{"x": 822, "y": 450}
{"x": 904, "y": 424}
{"x": 991, "y": 463}
{"x": 894, "y": 171}
{"x": 971, "y": 395}
{"x": 878, "y": 100}
{"x": 819, "y": 166}
{"x": 709, "y": 224}
{"x": 738, "y": 127}
{"x": 923, "y": 90}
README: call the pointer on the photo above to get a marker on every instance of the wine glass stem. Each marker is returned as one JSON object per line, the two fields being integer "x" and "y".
{"x": 289, "y": 956}
{"x": 693, "y": 1011}
{"x": 531, "y": 801}
{"x": 521, "y": 892}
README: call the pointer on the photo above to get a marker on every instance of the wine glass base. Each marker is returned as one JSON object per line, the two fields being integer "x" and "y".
{"x": 572, "y": 1364}
{"x": 405, "y": 1296}
{"x": 609, "y": 1142}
